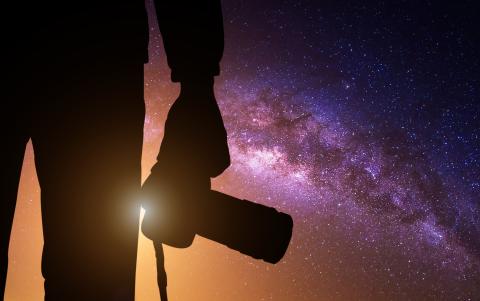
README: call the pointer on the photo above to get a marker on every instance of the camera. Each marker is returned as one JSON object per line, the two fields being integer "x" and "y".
{"x": 175, "y": 215}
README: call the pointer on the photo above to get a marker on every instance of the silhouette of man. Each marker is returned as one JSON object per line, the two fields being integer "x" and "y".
{"x": 73, "y": 84}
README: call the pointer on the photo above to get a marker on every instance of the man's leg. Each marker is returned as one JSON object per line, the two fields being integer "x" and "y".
{"x": 88, "y": 143}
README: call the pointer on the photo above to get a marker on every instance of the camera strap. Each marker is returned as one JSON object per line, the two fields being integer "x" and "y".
{"x": 161, "y": 272}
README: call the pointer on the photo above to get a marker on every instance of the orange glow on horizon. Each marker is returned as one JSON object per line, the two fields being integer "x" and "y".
{"x": 204, "y": 271}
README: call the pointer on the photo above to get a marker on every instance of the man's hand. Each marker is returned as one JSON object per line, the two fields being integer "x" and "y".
{"x": 194, "y": 149}
{"x": 195, "y": 140}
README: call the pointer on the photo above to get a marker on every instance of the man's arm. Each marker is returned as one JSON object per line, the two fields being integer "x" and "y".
{"x": 194, "y": 146}
{"x": 192, "y": 33}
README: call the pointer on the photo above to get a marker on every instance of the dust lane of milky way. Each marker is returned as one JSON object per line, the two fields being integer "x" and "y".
{"x": 349, "y": 117}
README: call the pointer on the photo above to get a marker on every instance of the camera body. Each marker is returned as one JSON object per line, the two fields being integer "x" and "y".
{"x": 176, "y": 215}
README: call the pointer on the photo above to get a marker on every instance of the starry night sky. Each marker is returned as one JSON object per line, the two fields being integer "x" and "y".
{"x": 361, "y": 120}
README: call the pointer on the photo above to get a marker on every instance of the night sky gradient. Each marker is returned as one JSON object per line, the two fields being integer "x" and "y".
{"x": 361, "y": 120}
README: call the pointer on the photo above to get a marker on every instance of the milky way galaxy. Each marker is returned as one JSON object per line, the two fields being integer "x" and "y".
{"x": 361, "y": 120}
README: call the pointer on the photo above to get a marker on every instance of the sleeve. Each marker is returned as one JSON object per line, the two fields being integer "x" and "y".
{"x": 192, "y": 33}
